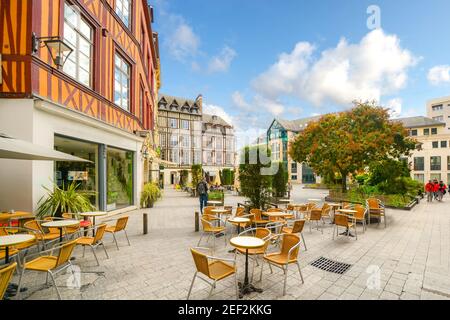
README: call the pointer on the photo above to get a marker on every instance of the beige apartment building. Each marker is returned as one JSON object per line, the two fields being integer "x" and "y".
{"x": 439, "y": 110}
{"x": 180, "y": 136}
{"x": 218, "y": 144}
{"x": 432, "y": 161}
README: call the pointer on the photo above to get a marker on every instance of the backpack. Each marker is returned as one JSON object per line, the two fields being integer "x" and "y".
{"x": 201, "y": 188}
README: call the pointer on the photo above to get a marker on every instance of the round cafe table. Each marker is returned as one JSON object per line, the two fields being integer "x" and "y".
{"x": 347, "y": 212}
{"x": 239, "y": 221}
{"x": 314, "y": 200}
{"x": 93, "y": 215}
{"x": 8, "y": 241}
{"x": 11, "y": 240}
{"x": 219, "y": 212}
{"x": 214, "y": 202}
{"x": 247, "y": 243}
{"x": 61, "y": 224}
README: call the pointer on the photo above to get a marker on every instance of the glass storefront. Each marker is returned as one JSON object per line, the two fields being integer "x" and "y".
{"x": 82, "y": 173}
{"x": 119, "y": 173}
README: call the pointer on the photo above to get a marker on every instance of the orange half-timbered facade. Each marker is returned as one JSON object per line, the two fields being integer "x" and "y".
{"x": 97, "y": 102}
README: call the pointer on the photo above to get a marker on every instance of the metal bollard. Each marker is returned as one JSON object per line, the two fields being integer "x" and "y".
{"x": 145, "y": 223}
{"x": 196, "y": 221}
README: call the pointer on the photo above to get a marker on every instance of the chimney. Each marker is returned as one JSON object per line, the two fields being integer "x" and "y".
{"x": 199, "y": 101}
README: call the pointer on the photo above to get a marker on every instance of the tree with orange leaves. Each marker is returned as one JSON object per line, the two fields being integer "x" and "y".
{"x": 348, "y": 142}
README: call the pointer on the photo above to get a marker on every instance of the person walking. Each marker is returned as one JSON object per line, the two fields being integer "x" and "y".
{"x": 202, "y": 190}
{"x": 442, "y": 190}
{"x": 429, "y": 189}
{"x": 435, "y": 189}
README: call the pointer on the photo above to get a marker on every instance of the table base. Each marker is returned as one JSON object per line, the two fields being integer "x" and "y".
{"x": 247, "y": 289}
{"x": 11, "y": 291}
{"x": 345, "y": 233}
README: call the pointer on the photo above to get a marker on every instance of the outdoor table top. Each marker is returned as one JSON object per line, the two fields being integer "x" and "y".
{"x": 285, "y": 200}
{"x": 348, "y": 211}
{"x": 220, "y": 210}
{"x": 315, "y": 200}
{"x": 334, "y": 204}
{"x": 93, "y": 214}
{"x": 61, "y": 223}
{"x": 215, "y": 202}
{"x": 247, "y": 242}
{"x": 10, "y": 240}
{"x": 239, "y": 220}
{"x": 277, "y": 214}
{"x": 15, "y": 215}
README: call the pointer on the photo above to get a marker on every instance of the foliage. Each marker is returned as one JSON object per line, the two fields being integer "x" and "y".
{"x": 60, "y": 200}
{"x": 253, "y": 183}
{"x": 150, "y": 194}
{"x": 227, "y": 177}
{"x": 280, "y": 180}
{"x": 184, "y": 174}
{"x": 347, "y": 142}
{"x": 360, "y": 194}
{"x": 197, "y": 174}
{"x": 216, "y": 195}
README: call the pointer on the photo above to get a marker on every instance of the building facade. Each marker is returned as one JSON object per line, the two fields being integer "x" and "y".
{"x": 82, "y": 77}
{"x": 218, "y": 145}
{"x": 439, "y": 110}
{"x": 432, "y": 159}
{"x": 180, "y": 136}
{"x": 279, "y": 135}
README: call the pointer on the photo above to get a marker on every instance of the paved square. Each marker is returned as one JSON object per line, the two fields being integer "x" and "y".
{"x": 407, "y": 260}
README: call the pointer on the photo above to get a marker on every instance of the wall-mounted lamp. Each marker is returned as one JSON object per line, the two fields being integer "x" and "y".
{"x": 59, "y": 50}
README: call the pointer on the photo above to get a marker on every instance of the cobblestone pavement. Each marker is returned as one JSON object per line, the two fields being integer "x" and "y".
{"x": 412, "y": 255}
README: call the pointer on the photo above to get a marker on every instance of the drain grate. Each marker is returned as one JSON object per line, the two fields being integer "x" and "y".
{"x": 331, "y": 265}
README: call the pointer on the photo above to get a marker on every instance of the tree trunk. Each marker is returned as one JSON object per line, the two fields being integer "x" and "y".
{"x": 344, "y": 182}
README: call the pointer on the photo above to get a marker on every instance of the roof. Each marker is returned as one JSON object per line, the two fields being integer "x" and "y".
{"x": 180, "y": 104}
{"x": 296, "y": 125}
{"x": 420, "y": 121}
{"x": 214, "y": 120}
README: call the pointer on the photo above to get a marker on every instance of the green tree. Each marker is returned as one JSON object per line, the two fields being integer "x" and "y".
{"x": 255, "y": 183}
{"x": 280, "y": 180}
{"x": 227, "y": 177}
{"x": 197, "y": 175}
{"x": 348, "y": 142}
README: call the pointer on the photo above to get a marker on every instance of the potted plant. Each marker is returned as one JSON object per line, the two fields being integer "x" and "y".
{"x": 60, "y": 200}
{"x": 150, "y": 194}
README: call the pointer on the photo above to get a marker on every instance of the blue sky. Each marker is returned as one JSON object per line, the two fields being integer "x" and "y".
{"x": 254, "y": 60}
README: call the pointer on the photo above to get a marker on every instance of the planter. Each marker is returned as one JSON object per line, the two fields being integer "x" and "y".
{"x": 408, "y": 207}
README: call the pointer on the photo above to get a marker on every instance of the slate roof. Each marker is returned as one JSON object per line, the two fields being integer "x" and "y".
{"x": 420, "y": 121}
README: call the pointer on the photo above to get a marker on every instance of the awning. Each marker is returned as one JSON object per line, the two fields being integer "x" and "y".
{"x": 11, "y": 148}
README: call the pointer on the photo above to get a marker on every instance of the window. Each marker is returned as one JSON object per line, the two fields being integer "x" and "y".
{"x": 448, "y": 162}
{"x": 419, "y": 164}
{"x": 414, "y": 132}
{"x": 448, "y": 178}
{"x": 275, "y": 151}
{"x": 79, "y": 35}
{"x": 426, "y": 132}
{"x": 229, "y": 157}
{"x": 197, "y": 157}
{"x": 209, "y": 157}
{"x": 141, "y": 104}
{"x": 174, "y": 156}
{"x": 122, "y": 83}
{"x": 444, "y": 144}
{"x": 435, "y": 163}
{"x": 229, "y": 144}
{"x": 440, "y": 118}
{"x": 123, "y": 9}
{"x": 219, "y": 143}
{"x": 185, "y": 141}
{"x": 163, "y": 140}
{"x": 172, "y": 123}
{"x": 219, "y": 158}
{"x": 435, "y": 144}
{"x": 419, "y": 177}
{"x": 185, "y": 124}
{"x": 437, "y": 107}
{"x": 435, "y": 176}
{"x": 173, "y": 141}
{"x": 433, "y": 130}
{"x": 294, "y": 167}
{"x": 196, "y": 142}
{"x": 185, "y": 157}
{"x": 293, "y": 177}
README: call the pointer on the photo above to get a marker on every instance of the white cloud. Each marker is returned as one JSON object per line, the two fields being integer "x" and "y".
{"x": 182, "y": 42}
{"x": 367, "y": 70}
{"x": 222, "y": 61}
{"x": 218, "y": 111}
{"x": 439, "y": 74}
{"x": 395, "y": 107}
{"x": 239, "y": 101}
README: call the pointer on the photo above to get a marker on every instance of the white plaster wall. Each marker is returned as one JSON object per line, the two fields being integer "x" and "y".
{"x": 38, "y": 122}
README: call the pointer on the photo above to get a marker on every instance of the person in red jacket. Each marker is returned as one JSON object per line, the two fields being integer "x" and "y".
{"x": 435, "y": 189}
{"x": 442, "y": 190}
{"x": 429, "y": 189}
